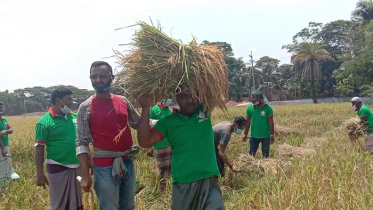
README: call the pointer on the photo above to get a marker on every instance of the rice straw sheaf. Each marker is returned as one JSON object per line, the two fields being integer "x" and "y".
{"x": 355, "y": 129}
{"x": 157, "y": 64}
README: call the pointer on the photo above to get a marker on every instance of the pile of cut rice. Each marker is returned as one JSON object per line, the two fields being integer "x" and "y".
{"x": 157, "y": 64}
{"x": 355, "y": 129}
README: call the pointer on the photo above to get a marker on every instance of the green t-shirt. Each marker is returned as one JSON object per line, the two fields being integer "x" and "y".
{"x": 59, "y": 135}
{"x": 4, "y": 126}
{"x": 259, "y": 120}
{"x": 192, "y": 143}
{"x": 157, "y": 113}
{"x": 365, "y": 111}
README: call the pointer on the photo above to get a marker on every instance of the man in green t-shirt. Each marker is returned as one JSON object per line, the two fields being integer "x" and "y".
{"x": 259, "y": 115}
{"x": 56, "y": 131}
{"x": 162, "y": 150}
{"x": 6, "y": 169}
{"x": 366, "y": 116}
{"x": 190, "y": 135}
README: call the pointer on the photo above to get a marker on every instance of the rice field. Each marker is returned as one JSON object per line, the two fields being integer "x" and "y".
{"x": 337, "y": 175}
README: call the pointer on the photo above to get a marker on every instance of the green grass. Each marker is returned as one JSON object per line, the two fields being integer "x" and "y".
{"x": 339, "y": 176}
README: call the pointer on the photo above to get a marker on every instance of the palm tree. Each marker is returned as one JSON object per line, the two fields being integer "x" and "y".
{"x": 309, "y": 55}
{"x": 268, "y": 66}
{"x": 362, "y": 14}
{"x": 363, "y": 11}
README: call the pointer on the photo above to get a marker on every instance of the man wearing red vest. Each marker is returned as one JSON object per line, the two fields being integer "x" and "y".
{"x": 105, "y": 119}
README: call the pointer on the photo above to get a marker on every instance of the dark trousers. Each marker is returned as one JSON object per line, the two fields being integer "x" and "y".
{"x": 254, "y": 145}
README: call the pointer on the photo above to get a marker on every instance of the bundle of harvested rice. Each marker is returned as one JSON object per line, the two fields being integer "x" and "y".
{"x": 354, "y": 128}
{"x": 285, "y": 150}
{"x": 157, "y": 64}
{"x": 248, "y": 163}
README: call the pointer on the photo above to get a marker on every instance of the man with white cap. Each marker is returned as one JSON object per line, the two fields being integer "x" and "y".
{"x": 366, "y": 116}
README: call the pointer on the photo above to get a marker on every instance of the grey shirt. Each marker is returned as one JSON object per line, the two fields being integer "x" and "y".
{"x": 222, "y": 133}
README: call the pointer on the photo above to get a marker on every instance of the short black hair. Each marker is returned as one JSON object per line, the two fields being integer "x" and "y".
{"x": 240, "y": 121}
{"x": 1, "y": 103}
{"x": 60, "y": 92}
{"x": 100, "y": 63}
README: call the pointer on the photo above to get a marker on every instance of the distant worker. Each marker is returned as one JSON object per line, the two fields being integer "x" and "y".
{"x": 55, "y": 132}
{"x": 222, "y": 136}
{"x": 366, "y": 116}
{"x": 6, "y": 169}
{"x": 259, "y": 115}
{"x": 162, "y": 150}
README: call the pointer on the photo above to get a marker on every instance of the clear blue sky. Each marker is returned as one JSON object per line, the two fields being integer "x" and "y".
{"x": 46, "y": 42}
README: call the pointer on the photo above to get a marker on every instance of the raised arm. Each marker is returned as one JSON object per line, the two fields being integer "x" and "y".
{"x": 146, "y": 136}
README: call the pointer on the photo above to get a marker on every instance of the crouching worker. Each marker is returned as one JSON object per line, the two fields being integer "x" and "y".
{"x": 194, "y": 169}
{"x": 222, "y": 136}
{"x": 366, "y": 116}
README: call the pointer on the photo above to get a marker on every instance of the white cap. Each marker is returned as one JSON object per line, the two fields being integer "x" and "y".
{"x": 356, "y": 99}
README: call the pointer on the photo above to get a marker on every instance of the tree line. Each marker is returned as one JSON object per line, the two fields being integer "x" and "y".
{"x": 332, "y": 59}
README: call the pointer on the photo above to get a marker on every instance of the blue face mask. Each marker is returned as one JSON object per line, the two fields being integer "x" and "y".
{"x": 102, "y": 88}
{"x": 238, "y": 131}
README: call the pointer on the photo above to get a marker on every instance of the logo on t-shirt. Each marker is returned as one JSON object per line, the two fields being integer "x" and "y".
{"x": 262, "y": 113}
{"x": 202, "y": 116}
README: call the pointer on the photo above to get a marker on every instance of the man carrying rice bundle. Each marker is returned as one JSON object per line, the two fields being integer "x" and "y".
{"x": 104, "y": 119}
{"x": 162, "y": 150}
{"x": 366, "y": 116}
{"x": 194, "y": 168}
{"x": 56, "y": 131}
{"x": 259, "y": 115}
{"x": 6, "y": 169}
{"x": 155, "y": 66}
{"x": 222, "y": 136}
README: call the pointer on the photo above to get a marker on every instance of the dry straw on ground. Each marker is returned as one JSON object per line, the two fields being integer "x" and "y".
{"x": 354, "y": 128}
{"x": 247, "y": 163}
{"x": 281, "y": 132}
{"x": 157, "y": 64}
{"x": 285, "y": 150}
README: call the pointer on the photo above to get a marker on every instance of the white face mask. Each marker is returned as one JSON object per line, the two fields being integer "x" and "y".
{"x": 238, "y": 131}
{"x": 167, "y": 102}
{"x": 65, "y": 109}
{"x": 355, "y": 107}
{"x": 256, "y": 103}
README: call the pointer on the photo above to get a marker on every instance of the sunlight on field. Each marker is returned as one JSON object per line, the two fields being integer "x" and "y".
{"x": 339, "y": 176}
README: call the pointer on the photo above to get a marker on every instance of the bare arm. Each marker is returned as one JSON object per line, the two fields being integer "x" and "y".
{"x": 9, "y": 129}
{"x": 247, "y": 126}
{"x": 363, "y": 119}
{"x": 145, "y": 136}
{"x": 271, "y": 125}
{"x": 39, "y": 158}
{"x": 222, "y": 149}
